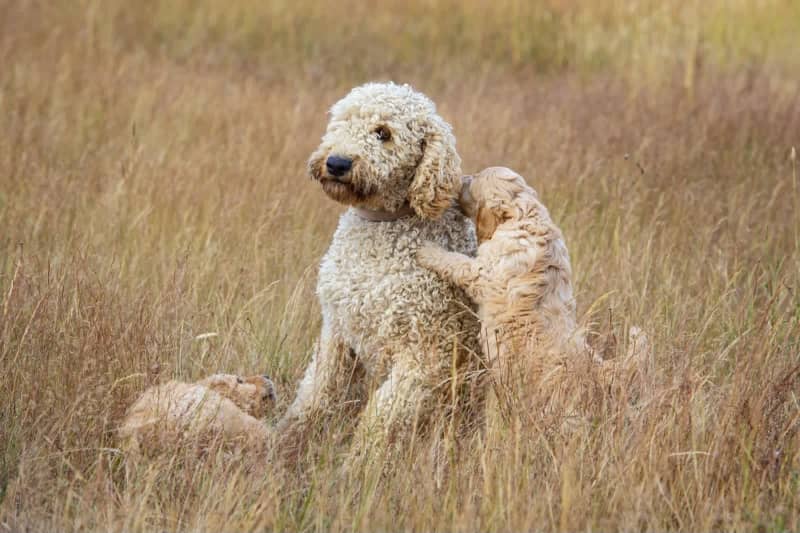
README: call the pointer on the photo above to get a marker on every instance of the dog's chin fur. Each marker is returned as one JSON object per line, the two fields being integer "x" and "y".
{"x": 343, "y": 193}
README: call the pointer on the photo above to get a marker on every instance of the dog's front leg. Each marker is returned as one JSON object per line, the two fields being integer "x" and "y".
{"x": 389, "y": 421}
{"x": 332, "y": 384}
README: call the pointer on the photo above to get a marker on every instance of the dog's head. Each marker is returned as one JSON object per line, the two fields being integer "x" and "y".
{"x": 255, "y": 395}
{"x": 386, "y": 147}
{"x": 493, "y": 196}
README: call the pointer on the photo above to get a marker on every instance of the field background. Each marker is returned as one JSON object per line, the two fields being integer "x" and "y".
{"x": 153, "y": 189}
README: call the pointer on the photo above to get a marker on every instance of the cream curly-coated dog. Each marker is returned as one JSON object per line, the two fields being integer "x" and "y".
{"x": 520, "y": 279}
{"x": 223, "y": 408}
{"x": 391, "y": 329}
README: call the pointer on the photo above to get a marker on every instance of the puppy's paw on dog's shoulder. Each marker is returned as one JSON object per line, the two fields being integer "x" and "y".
{"x": 429, "y": 254}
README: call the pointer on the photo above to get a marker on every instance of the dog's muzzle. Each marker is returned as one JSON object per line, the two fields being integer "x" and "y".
{"x": 338, "y": 166}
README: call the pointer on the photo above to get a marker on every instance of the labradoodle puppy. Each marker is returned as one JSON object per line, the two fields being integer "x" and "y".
{"x": 222, "y": 408}
{"x": 520, "y": 279}
{"x": 391, "y": 330}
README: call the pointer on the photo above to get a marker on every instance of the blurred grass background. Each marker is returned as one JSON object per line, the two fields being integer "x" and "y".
{"x": 153, "y": 188}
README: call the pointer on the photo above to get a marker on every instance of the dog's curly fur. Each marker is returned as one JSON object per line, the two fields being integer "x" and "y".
{"x": 222, "y": 408}
{"x": 418, "y": 164}
{"x": 389, "y": 326}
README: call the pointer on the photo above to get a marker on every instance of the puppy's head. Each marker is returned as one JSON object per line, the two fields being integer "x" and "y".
{"x": 254, "y": 395}
{"x": 492, "y": 197}
{"x": 386, "y": 147}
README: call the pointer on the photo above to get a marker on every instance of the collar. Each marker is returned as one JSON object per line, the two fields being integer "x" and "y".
{"x": 382, "y": 215}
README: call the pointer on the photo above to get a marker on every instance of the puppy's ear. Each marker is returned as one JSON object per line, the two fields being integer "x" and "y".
{"x": 437, "y": 180}
{"x": 485, "y": 223}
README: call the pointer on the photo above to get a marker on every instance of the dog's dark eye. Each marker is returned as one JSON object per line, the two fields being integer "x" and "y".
{"x": 239, "y": 381}
{"x": 383, "y": 133}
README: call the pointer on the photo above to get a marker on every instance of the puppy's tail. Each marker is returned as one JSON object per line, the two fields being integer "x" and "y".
{"x": 637, "y": 364}
{"x": 638, "y": 346}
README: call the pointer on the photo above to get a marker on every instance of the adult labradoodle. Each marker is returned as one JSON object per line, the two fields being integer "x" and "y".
{"x": 392, "y": 331}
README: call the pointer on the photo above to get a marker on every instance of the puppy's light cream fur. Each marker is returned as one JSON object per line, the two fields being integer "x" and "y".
{"x": 520, "y": 279}
{"x": 221, "y": 409}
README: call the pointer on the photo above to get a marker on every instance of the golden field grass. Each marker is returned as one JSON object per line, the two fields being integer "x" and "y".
{"x": 153, "y": 189}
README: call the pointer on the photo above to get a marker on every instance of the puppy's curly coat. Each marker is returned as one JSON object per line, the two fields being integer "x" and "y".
{"x": 521, "y": 281}
{"x": 521, "y": 277}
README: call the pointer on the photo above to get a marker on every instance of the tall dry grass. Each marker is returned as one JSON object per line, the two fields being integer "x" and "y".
{"x": 153, "y": 189}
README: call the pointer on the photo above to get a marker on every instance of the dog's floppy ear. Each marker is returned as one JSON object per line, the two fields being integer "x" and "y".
{"x": 437, "y": 180}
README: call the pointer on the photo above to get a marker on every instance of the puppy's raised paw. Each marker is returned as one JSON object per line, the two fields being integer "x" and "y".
{"x": 430, "y": 254}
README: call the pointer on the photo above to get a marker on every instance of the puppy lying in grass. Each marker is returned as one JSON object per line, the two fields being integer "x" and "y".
{"x": 521, "y": 281}
{"x": 222, "y": 409}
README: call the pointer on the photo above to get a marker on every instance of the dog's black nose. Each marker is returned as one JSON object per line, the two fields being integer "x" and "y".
{"x": 338, "y": 166}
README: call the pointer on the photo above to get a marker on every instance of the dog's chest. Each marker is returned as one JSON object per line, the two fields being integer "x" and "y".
{"x": 373, "y": 292}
